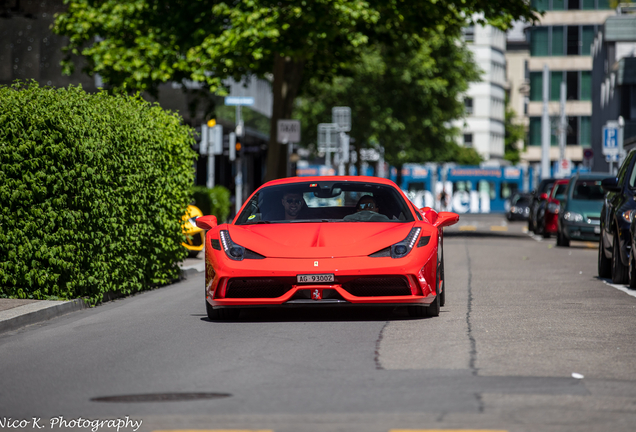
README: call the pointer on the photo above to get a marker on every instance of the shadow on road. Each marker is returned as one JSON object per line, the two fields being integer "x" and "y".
{"x": 322, "y": 314}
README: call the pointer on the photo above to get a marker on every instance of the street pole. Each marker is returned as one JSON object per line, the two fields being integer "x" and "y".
{"x": 545, "y": 126}
{"x": 238, "y": 180}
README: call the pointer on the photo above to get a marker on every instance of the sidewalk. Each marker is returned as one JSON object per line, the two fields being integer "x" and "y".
{"x": 16, "y": 313}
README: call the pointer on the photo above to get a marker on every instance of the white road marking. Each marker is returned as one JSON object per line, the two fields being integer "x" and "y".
{"x": 623, "y": 288}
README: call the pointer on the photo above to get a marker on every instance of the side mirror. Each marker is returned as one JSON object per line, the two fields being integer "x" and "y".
{"x": 430, "y": 214}
{"x": 446, "y": 219}
{"x": 610, "y": 185}
{"x": 543, "y": 196}
{"x": 206, "y": 222}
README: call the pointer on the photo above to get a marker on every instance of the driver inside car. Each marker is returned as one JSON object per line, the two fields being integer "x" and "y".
{"x": 367, "y": 210}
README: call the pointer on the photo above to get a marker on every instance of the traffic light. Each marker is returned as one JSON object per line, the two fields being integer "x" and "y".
{"x": 235, "y": 146}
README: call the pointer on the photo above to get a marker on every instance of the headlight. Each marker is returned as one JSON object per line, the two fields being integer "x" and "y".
{"x": 232, "y": 250}
{"x": 553, "y": 208}
{"x": 627, "y": 215}
{"x": 402, "y": 249}
{"x": 573, "y": 217}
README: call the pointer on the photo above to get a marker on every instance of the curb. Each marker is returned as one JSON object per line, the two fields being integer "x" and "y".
{"x": 192, "y": 270}
{"x": 12, "y": 319}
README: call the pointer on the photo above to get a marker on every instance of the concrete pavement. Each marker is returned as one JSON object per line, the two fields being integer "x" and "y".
{"x": 17, "y": 313}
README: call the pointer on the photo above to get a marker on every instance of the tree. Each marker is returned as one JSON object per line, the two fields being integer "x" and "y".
{"x": 512, "y": 135}
{"x": 404, "y": 101}
{"x": 142, "y": 43}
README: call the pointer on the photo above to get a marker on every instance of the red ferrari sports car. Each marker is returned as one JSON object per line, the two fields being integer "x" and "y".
{"x": 326, "y": 241}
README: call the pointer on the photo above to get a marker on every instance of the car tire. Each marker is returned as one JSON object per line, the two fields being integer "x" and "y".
{"x": 632, "y": 271}
{"x": 442, "y": 296}
{"x": 620, "y": 273}
{"x": 221, "y": 314}
{"x": 604, "y": 263}
{"x": 562, "y": 240}
{"x": 545, "y": 234}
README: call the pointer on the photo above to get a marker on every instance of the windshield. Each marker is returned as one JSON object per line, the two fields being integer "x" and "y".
{"x": 588, "y": 190}
{"x": 328, "y": 201}
{"x": 559, "y": 191}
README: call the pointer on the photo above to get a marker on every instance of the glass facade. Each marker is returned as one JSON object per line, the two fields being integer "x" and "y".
{"x": 587, "y": 38}
{"x": 586, "y": 85}
{"x": 545, "y": 5}
{"x": 561, "y": 40}
{"x": 536, "y": 86}
{"x": 579, "y": 131}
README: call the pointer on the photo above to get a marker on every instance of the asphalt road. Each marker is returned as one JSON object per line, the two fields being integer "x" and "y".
{"x": 521, "y": 317}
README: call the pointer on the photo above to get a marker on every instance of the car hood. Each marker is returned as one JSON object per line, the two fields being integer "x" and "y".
{"x": 588, "y": 208}
{"x": 319, "y": 240}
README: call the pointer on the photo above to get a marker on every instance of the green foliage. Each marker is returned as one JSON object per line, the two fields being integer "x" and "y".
{"x": 215, "y": 201}
{"x": 404, "y": 101}
{"x": 92, "y": 191}
{"x": 513, "y": 134}
{"x": 139, "y": 44}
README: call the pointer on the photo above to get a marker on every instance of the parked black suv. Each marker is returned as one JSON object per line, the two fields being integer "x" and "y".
{"x": 615, "y": 242}
{"x": 537, "y": 205}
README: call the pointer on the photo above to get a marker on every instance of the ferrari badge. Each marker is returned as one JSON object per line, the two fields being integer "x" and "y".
{"x": 316, "y": 294}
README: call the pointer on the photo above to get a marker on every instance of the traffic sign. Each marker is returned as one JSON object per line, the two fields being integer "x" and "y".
{"x": 588, "y": 153}
{"x": 610, "y": 138}
{"x": 564, "y": 168}
{"x": 288, "y": 131}
{"x": 612, "y": 157}
{"x": 239, "y": 100}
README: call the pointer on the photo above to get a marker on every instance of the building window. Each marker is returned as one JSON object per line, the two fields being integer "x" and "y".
{"x": 586, "y": 85}
{"x": 558, "y": 42}
{"x": 556, "y": 78}
{"x": 587, "y": 38}
{"x": 534, "y": 131}
{"x": 536, "y": 86}
{"x": 586, "y": 131}
{"x": 544, "y": 5}
{"x": 541, "y": 5}
{"x": 468, "y": 104}
{"x": 572, "y": 137}
{"x": 572, "y": 83}
{"x": 573, "y": 40}
{"x": 539, "y": 42}
{"x": 587, "y": 4}
{"x": 468, "y": 140}
{"x": 469, "y": 33}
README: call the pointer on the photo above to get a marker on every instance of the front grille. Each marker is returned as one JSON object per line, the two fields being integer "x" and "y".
{"x": 378, "y": 286}
{"x": 257, "y": 288}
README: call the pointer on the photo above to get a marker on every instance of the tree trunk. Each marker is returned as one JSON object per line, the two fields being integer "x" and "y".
{"x": 287, "y": 77}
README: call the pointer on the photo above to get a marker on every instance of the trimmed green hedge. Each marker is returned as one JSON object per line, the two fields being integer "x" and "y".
{"x": 215, "y": 201}
{"x": 92, "y": 191}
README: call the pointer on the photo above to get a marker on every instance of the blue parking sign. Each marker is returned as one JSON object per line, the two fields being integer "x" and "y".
{"x": 610, "y": 140}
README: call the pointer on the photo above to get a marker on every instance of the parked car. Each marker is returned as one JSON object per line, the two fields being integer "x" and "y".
{"x": 615, "y": 242}
{"x": 519, "y": 206}
{"x": 539, "y": 197}
{"x": 580, "y": 214}
{"x": 548, "y": 224}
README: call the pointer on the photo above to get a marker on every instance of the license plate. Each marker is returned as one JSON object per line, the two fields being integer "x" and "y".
{"x": 315, "y": 278}
{"x": 597, "y": 230}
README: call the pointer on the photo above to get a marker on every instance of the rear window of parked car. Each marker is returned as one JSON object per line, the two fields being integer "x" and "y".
{"x": 588, "y": 190}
